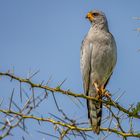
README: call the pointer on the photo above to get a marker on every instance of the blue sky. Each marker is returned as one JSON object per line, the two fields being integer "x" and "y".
{"x": 46, "y": 35}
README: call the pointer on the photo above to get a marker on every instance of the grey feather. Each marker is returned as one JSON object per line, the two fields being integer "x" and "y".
{"x": 98, "y": 59}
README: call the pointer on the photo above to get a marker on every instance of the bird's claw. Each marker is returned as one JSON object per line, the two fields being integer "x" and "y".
{"x": 102, "y": 91}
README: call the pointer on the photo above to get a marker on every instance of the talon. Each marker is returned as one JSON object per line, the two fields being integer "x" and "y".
{"x": 101, "y": 91}
{"x": 104, "y": 92}
{"x": 107, "y": 94}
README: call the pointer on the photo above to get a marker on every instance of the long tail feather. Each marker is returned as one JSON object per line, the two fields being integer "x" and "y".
{"x": 94, "y": 112}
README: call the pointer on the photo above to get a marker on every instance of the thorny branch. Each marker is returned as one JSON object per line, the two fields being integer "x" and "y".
{"x": 65, "y": 126}
{"x": 68, "y": 92}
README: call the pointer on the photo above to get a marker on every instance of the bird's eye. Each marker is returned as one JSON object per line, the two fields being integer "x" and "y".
{"x": 95, "y": 14}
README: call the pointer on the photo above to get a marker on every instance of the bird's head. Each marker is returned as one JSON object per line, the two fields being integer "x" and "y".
{"x": 96, "y": 17}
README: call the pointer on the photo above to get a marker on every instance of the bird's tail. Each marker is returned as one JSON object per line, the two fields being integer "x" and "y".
{"x": 94, "y": 111}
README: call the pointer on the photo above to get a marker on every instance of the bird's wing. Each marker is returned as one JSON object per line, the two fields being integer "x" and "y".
{"x": 94, "y": 109}
{"x": 85, "y": 63}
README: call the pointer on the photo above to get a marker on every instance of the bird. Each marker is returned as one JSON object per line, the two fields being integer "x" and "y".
{"x": 98, "y": 56}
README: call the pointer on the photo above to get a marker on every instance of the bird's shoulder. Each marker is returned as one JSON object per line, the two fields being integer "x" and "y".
{"x": 85, "y": 43}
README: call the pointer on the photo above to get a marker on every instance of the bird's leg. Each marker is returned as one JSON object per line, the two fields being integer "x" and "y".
{"x": 101, "y": 90}
{"x": 99, "y": 94}
{"x": 96, "y": 87}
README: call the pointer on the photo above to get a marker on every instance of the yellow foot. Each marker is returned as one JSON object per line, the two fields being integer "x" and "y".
{"x": 107, "y": 94}
{"x": 101, "y": 91}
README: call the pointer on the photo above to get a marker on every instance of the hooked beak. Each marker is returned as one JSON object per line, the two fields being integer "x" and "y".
{"x": 90, "y": 16}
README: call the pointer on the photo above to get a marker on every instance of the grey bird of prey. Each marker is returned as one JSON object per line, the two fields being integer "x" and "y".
{"x": 97, "y": 60}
